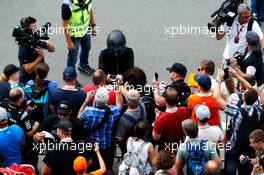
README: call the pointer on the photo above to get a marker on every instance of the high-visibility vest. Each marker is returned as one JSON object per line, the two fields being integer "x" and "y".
{"x": 78, "y": 24}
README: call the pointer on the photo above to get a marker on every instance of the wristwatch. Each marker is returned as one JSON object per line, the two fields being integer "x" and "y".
{"x": 93, "y": 25}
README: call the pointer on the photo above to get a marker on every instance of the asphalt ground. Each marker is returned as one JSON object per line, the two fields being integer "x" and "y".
{"x": 160, "y": 32}
{"x": 157, "y": 30}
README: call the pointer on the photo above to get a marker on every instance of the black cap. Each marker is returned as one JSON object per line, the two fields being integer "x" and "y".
{"x": 69, "y": 73}
{"x": 253, "y": 40}
{"x": 178, "y": 68}
{"x": 65, "y": 125}
{"x": 64, "y": 108}
{"x": 10, "y": 69}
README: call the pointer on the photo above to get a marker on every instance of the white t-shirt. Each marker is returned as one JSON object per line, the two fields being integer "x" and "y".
{"x": 211, "y": 133}
{"x": 231, "y": 47}
{"x": 223, "y": 88}
{"x": 133, "y": 145}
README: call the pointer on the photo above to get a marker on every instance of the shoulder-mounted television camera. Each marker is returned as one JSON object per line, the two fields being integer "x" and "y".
{"x": 225, "y": 14}
{"x": 31, "y": 38}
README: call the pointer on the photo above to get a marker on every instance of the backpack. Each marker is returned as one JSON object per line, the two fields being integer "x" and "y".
{"x": 40, "y": 100}
{"x": 134, "y": 121}
{"x": 131, "y": 161}
{"x": 196, "y": 158}
{"x": 26, "y": 88}
{"x": 184, "y": 92}
{"x": 247, "y": 125}
{"x": 150, "y": 106}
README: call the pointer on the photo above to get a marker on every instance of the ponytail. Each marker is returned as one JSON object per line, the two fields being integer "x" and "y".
{"x": 3, "y": 78}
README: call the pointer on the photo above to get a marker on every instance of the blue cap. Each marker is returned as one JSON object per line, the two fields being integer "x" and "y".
{"x": 204, "y": 81}
{"x": 69, "y": 73}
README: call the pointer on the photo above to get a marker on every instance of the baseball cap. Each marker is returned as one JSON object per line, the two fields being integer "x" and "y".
{"x": 3, "y": 115}
{"x": 178, "y": 68}
{"x": 101, "y": 97}
{"x": 253, "y": 40}
{"x": 64, "y": 108}
{"x": 65, "y": 125}
{"x": 69, "y": 73}
{"x": 204, "y": 81}
{"x": 10, "y": 69}
{"x": 80, "y": 164}
{"x": 202, "y": 112}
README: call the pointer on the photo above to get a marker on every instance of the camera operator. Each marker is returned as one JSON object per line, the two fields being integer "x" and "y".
{"x": 29, "y": 57}
{"x": 251, "y": 65}
{"x": 236, "y": 34}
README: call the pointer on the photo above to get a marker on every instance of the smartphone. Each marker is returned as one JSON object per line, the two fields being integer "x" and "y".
{"x": 156, "y": 76}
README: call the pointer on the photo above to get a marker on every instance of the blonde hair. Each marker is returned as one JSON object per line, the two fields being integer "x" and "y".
{"x": 3, "y": 78}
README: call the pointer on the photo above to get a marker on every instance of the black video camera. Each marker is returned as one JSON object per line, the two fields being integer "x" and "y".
{"x": 32, "y": 38}
{"x": 239, "y": 57}
{"x": 226, "y": 13}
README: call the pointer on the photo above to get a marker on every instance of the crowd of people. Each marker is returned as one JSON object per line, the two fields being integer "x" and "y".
{"x": 79, "y": 129}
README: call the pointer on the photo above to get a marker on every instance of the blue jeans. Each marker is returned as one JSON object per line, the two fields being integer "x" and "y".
{"x": 84, "y": 45}
{"x": 231, "y": 162}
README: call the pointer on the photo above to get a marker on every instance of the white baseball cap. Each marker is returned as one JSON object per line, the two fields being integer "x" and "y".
{"x": 101, "y": 97}
{"x": 202, "y": 112}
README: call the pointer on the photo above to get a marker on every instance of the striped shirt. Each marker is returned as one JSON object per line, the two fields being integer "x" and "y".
{"x": 92, "y": 116}
{"x": 236, "y": 118}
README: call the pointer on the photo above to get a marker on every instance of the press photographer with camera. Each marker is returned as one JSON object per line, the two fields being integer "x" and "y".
{"x": 31, "y": 47}
{"x": 251, "y": 65}
{"x": 236, "y": 33}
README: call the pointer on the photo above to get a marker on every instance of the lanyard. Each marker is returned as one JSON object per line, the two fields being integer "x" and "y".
{"x": 239, "y": 30}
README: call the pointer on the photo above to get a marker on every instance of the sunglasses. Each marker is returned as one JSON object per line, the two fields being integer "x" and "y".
{"x": 199, "y": 69}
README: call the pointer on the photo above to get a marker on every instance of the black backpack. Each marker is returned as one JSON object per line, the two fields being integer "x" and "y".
{"x": 184, "y": 92}
{"x": 150, "y": 106}
{"x": 247, "y": 125}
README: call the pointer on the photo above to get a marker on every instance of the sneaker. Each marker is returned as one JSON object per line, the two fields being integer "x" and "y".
{"x": 86, "y": 69}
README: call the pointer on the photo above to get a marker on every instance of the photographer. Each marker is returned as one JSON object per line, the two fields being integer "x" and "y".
{"x": 251, "y": 65}
{"x": 30, "y": 56}
{"x": 236, "y": 34}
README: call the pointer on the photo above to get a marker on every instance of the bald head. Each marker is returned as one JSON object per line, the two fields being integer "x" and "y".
{"x": 171, "y": 96}
{"x": 98, "y": 77}
{"x": 133, "y": 98}
{"x": 211, "y": 168}
{"x": 16, "y": 95}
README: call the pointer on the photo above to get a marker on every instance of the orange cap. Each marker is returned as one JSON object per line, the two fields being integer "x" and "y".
{"x": 80, "y": 164}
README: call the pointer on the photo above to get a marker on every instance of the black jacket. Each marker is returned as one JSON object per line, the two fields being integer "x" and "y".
{"x": 116, "y": 63}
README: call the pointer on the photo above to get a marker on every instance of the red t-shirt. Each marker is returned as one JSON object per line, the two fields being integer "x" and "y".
{"x": 209, "y": 101}
{"x": 170, "y": 127}
{"x": 112, "y": 95}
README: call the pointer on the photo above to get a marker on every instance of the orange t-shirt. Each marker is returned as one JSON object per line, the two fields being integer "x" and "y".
{"x": 97, "y": 172}
{"x": 208, "y": 100}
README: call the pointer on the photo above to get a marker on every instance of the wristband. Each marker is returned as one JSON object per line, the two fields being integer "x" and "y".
{"x": 85, "y": 101}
